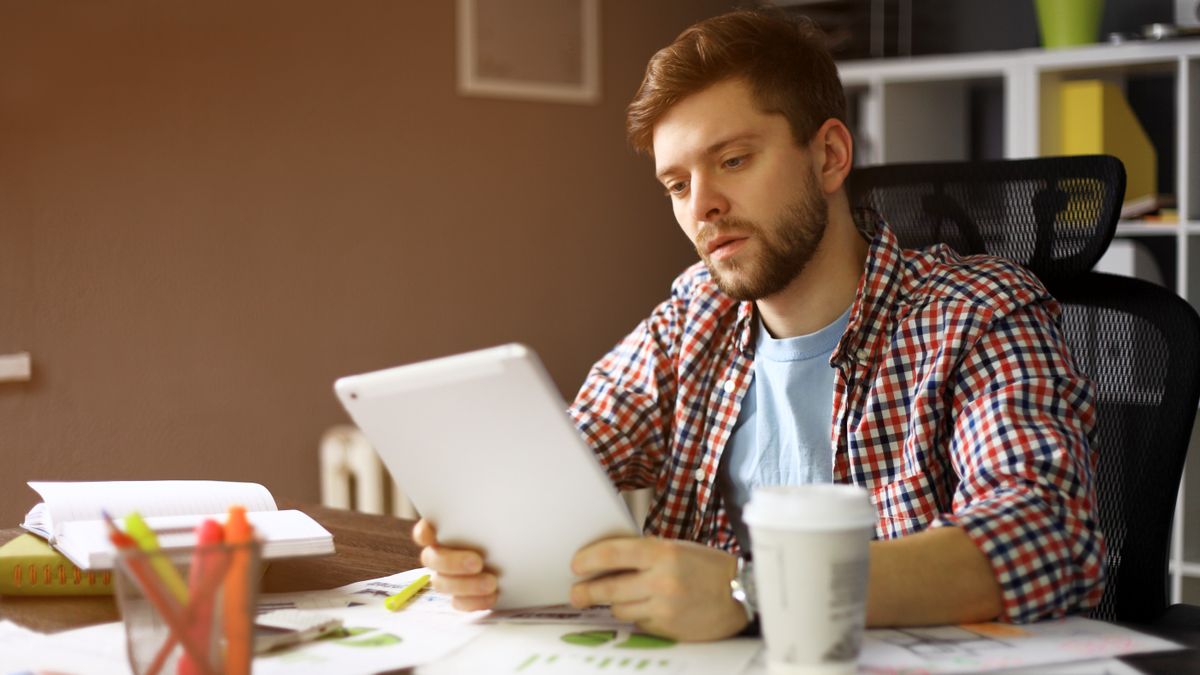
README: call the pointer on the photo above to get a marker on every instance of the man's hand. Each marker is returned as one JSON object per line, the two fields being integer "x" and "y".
{"x": 457, "y": 572}
{"x": 671, "y": 588}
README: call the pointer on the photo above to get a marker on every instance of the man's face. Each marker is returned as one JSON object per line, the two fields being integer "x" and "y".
{"x": 743, "y": 191}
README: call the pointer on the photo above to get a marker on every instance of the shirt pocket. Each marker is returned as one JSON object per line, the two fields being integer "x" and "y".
{"x": 904, "y": 505}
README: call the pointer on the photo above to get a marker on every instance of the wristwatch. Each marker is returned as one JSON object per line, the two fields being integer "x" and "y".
{"x": 743, "y": 590}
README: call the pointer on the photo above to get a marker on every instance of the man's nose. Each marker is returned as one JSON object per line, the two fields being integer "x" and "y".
{"x": 708, "y": 201}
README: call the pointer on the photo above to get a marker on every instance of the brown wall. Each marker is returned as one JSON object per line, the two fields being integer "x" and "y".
{"x": 211, "y": 210}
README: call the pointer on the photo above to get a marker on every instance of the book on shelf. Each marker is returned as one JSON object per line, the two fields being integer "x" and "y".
{"x": 28, "y": 566}
{"x": 1095, "y": 118}
{"x": 1140, "y": 206}
{"x": 70, "y": 517}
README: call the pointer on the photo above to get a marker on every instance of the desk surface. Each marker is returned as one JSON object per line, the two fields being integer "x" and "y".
{"x": 367, "y": 547}
{"x": 375, "y": 546}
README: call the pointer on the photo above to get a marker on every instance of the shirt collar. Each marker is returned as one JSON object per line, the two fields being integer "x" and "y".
{"x": 879, "y": 292}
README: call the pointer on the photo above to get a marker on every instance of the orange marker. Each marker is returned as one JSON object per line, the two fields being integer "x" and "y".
{"x": 236, "y": 609}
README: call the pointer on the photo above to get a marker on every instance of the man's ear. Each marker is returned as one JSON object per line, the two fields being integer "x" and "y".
{"x": 833, "y": 148}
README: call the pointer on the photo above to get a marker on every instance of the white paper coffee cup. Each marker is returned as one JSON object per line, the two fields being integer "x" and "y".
{"x": 810, "y": 546}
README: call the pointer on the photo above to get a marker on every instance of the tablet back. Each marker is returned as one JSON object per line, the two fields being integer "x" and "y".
{"x": 482, "y": 445}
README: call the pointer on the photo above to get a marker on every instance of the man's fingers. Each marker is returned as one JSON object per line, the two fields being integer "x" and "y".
{"x": 633, "y": 612}
{"x": 473, "y": 585}
{"x": 424, "y": 534}
{"x": 610, "y": 590}
{"x": 451, "y": 560}
{"x": 457, "y": 572}
{"x": 620, "y": 553}
{"x": 474, "y": 603}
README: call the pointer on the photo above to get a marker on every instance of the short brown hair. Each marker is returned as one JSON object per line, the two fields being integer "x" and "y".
{"x": 782, "y": 58}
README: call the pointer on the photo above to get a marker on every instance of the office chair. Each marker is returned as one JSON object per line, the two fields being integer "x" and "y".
{"x": 1138, "y": 342}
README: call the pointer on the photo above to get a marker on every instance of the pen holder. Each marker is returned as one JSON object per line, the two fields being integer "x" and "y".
{"x": 189, "y": 611}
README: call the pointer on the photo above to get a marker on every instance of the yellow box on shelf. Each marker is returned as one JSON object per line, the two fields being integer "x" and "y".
{"x": 28, "y": 566}
{"x": 1096, "y": 119}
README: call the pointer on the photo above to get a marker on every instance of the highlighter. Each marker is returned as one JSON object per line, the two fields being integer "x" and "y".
{"x": 236, "y": 609}
{"x": 146, "y": 540}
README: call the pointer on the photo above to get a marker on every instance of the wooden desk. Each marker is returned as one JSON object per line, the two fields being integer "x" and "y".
{"x": 375, "y": 546}
{"x": 367, "y": 547}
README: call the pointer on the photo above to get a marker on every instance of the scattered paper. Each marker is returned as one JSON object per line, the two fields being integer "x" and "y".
{"x": 565, "y": 640}
{"x": 558, "y": 614}
{"x": 1092, "y": 667}
{"x": 554, "y": 649}
{"x": 369, "y": 593}
{"x": 372, "y": 640}
{"x": 1096, "y": 667}
{"x": 10, "y": 632}
{"x": 994, "y": 646}
{"x": 96, "y": 650}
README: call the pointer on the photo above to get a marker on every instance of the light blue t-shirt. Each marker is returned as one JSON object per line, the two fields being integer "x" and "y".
{"x": 781, "y": 436}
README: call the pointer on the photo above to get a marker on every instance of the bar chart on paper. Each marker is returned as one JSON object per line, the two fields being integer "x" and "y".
{"x": 529, "y": 649}
{"x": 573, "y": 663}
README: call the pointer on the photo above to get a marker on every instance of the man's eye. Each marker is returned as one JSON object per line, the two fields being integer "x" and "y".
{"x": 733, "y": 162}
{"x": 676, "y": 188}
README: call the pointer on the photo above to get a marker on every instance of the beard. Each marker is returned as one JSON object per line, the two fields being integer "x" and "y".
{"x": 787, "y": 246}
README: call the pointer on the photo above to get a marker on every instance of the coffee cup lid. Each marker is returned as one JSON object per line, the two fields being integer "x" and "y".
{"x": 820, "y": 506}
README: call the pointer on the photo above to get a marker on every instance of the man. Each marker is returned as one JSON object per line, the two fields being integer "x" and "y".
{"x": 952, "y": 395}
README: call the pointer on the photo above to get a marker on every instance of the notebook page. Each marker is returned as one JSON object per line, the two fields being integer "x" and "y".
{"x": 285, "y": 534}
{"x": 67, "y": 501}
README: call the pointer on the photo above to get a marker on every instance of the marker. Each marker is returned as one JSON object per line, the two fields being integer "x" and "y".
{"x": 148, "y": 542}
{"x": 207, "y": 569}
{"x": 397, "y": 601}
{"x": 167, "y": 608}
{"x": 237, "y": 610}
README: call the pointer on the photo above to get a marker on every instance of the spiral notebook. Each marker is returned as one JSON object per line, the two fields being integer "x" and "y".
{"x": 28, "y": 566}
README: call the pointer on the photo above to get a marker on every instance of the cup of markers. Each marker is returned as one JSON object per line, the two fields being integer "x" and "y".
{"x": 188, "y": 611}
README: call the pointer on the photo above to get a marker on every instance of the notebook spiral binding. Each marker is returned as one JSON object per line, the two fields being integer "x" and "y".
{"x": 49, "y": 572}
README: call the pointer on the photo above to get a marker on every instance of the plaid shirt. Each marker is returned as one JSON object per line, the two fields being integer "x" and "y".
{"x": 956, "y": 403}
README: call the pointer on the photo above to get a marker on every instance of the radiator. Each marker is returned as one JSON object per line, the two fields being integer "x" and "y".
{"x": 353, "y": 476}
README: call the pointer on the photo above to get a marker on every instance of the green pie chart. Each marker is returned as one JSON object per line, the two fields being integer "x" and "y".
{"x": 646, "y": 641}
{"x": 350, "y": 638}
{"x": 595, "y": 638}
{"x": 590, "y": 638}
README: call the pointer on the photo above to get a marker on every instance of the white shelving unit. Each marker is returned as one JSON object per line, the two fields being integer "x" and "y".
{"x": 919, "y": 109}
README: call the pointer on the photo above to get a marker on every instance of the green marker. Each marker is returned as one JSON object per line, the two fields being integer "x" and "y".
{"x": 139, "y": 531}
{"x": 395, "y": 602}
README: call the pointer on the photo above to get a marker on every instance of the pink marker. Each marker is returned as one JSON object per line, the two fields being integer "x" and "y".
{"x": 208, "y": 567}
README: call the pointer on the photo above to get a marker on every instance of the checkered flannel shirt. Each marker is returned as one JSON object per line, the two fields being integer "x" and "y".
{"x": 956, "y": 403}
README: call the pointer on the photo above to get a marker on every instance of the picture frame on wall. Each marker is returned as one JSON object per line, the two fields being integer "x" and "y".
{"x": 542, "y": 50}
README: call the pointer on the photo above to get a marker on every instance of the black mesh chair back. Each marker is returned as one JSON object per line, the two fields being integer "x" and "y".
{"x": 1137, "y": 341}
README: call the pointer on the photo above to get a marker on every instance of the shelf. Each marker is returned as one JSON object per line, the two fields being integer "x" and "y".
{"x": 1187, "y": 569}
{"x": 1136, "y": 55}
{"x": 1132, "y": 228}
{"x": 1006, "y": 104}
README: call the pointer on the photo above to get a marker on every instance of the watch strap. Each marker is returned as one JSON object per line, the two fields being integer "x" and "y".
{"x": 741, "y": 588}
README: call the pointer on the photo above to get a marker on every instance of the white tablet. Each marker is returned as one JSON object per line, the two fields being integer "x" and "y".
{"x": 483, "y": 446}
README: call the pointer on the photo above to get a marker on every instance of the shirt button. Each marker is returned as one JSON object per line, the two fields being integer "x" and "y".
{"x": 728, "y": 386}
{"x": 699, "y": 475}
{"x": 862, "y": 354}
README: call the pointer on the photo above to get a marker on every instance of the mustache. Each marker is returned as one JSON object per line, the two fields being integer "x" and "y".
{"x": 723, "y": 228}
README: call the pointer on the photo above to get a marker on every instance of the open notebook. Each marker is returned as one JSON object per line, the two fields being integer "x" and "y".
{"x": 69, "y": 516}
